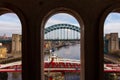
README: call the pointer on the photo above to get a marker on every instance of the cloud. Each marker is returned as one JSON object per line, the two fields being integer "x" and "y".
{"x": 10, "y": 17}
{"x": 54, "y": 21}
{"x": 61, "y": 18}
{"x": 112, "y": 23}
{"x": 113, "y": 18}
{"x": 112, "y": 28}
{"x": 9, "y": 25}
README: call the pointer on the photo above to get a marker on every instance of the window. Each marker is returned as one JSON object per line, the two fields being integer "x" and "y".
{"x": 61, "y": 43}
{"x": 112, "y": 46}
{"x": 10, "y": 45}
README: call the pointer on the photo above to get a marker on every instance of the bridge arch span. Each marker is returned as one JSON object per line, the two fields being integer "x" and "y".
{"x": 62, "y": 26}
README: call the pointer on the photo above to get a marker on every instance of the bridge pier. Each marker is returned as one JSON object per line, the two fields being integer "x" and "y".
{"x": 113, "y": 42}
{"x": 16, "y": 43}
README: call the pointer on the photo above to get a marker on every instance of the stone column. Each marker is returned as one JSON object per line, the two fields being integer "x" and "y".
{"x": 16, "y": 43}
{"x": 20, "y": 43}
{"x": 113, "y": 42}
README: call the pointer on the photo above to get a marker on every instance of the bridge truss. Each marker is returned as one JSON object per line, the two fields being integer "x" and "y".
{"x": 62, "y": 32}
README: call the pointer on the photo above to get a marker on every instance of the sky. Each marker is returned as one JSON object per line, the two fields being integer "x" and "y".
{"x": 61, "y": 18}
{"x": 10, "y": 23}
{"x": 112, "y": 23}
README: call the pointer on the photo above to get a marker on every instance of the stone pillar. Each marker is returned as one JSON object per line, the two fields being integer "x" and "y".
{"x": 107, "y": 36}
{"x": 20, "y": 42}
{"x": 16, "y": 43}
{"x": 106, "y": 43}
{"x": 113, "y": 42}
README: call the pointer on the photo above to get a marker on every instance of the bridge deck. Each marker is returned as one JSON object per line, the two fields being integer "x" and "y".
{"x": 13, "y": 64}
{"x": 56, "y": 67}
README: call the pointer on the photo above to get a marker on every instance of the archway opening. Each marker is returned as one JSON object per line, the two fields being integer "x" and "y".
{"x": 62, "y": 48}
{"x": 10, "y": 44}
{"x": 112, "y": 46}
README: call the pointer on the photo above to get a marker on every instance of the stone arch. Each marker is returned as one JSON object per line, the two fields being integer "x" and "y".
{"x": 113, "y": 8}
{"x": 9, "y": 8}
{"x": 81, "y": 23}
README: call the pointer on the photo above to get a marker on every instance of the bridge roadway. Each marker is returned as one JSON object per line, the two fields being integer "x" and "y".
{"x": 111, "y": 59}
{"x": 57, "y": 65}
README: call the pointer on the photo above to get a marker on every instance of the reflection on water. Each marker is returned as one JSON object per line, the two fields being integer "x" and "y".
{"x": 71, "y": 52}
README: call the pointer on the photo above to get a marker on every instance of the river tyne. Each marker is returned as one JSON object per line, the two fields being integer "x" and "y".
{"x": 69, "y": 52}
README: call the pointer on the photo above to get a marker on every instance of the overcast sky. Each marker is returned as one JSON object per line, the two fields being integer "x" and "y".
{"x": 112, "y": 23}
{"x": 61, "y": 18}
{"x": 10, "y": 23}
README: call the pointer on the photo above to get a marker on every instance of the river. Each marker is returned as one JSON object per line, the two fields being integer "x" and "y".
{"x": 70, "y": 52}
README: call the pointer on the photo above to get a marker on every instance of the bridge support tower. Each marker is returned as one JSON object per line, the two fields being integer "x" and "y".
{"x": 16, "y": 43}
{"x": 113, "y": 42}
